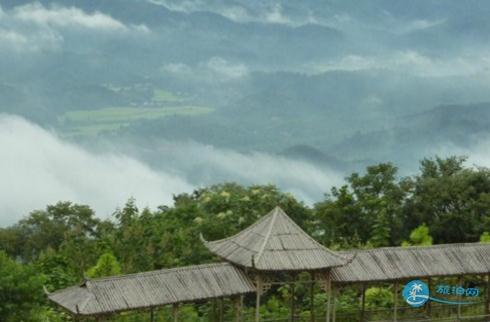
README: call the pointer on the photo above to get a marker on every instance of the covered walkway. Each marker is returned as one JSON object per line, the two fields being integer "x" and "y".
{"x": 273, "y": 252}
{"x": 150, "y": 290}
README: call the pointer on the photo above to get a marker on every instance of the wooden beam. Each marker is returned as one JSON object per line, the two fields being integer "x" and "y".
{"x": 363, "y": 301}
{"x": 395, "y": 301}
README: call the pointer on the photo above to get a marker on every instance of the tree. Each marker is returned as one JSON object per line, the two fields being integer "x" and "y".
{"x": 53, "y": 227}
{"x": 107, "y": 265}
{"x": 368, "y": 209}
{"x": 420, "y": 236}
{"x": 56, "y": 269}
{"x": 451, "y": 199}
{"x": 21, "y": 291}
{"x": 485, "y": 237}
{"x": 134, "y": 237}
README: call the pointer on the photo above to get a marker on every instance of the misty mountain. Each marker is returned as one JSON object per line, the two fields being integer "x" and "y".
{"x": 421, "y": 134}
{"x": 313, "y": 85}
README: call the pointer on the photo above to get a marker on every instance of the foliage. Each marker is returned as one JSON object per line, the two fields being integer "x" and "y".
{"x": 451, "y": 199}
{"x": 56, "y": 269}
{"x": 485, "y": 237}
{"x": 367, "y": 210}
{"x": 420, "y": 236}
{"x": 107, "y": 265}
{"x": 378, "y": 297}
{"x": 21, "y": 292}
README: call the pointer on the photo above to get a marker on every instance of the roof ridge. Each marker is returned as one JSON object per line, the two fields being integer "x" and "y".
{"x": 267, "y": 236}
{"x": 331, "y": 252}
{"x": 159, "y": 271}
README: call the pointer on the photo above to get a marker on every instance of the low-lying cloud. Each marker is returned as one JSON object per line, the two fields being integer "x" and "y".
{"x": 408, "y": 62}
{"x": 39, "y": 168}
{"x": 214, "y": 69}
{"x": 34, "y": 27}
{"x": 204, "y": 165}
{"x": 69, "y": 17}
{"x": 265, "y": 13}
{"x": 478, "y": 153}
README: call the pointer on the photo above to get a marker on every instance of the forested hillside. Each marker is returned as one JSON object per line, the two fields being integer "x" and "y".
{"x": 447, "y": 201}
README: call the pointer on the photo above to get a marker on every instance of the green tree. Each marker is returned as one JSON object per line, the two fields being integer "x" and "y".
{"x": 451, "y": 199}
{"x": 420, "y": 236}
{"x": 21, "y": 291}
{"x": 56, "y": 269}
{"x": 51, "y": 228}
{"x": 485, "y": 237}
{"x": 367, "y": 210}
{"x": 135, "y": 237}
{"x": 107, "y": 265}
{"x": 378, "y": 297}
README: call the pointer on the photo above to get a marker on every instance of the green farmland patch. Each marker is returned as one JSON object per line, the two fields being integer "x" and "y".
{"x": 92, "y": 122}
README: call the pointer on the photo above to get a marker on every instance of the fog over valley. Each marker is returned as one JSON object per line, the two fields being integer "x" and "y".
{"x": 101, "y": 101}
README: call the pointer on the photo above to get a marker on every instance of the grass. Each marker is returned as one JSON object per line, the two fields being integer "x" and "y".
{"x": 93, "y": 122}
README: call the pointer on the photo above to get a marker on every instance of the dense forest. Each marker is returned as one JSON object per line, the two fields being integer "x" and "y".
{"x": 447, "y": 201}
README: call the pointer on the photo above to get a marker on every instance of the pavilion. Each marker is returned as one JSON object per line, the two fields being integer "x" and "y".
{"x": 272, "y": 251}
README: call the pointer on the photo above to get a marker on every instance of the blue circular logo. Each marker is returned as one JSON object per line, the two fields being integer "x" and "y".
{"x": 416, "y": 293}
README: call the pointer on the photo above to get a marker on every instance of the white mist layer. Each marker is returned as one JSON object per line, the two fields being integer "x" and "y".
{"x": 37, "y": 168}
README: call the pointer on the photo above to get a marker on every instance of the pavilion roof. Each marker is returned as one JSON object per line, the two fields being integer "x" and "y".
{"x": 153, "y": 289}
{"x": 276, "y": 243}
{"x": 397, "y": 263}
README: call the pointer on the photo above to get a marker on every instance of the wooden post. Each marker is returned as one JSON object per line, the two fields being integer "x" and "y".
{"x": 363, "y": 301}
{"x": 214, "y": 313}
{"x": 461, "y": 281}
{"x": 487, "y": 303}
{"x": 238, "y": 308}
{"x": 258, "y": 285}
{"x": 312, "y": 298}
{"x": 292, "y": 285}
{"x": 221, "y": 310}
{"x": 152, "y": 315}
{"x": 428, "y": 304}
{"x": 329, "y": 295}
{"x": 175, "y": 312}
{"x": 395, "y": 300}
{"x": 334, "y": 304}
